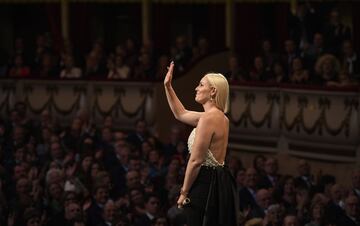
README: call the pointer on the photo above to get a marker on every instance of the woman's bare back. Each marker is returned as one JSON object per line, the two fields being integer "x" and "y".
{"x": 219, "y": 124}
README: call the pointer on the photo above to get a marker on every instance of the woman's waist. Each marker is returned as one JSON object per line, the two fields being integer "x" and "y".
{"x": 206, "y": 172}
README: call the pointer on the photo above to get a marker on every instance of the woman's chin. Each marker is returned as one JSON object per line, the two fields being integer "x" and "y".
{"x": 198, "y": 100}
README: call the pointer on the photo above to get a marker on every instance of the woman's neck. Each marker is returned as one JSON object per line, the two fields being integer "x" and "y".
{"x": 209, "y": 106}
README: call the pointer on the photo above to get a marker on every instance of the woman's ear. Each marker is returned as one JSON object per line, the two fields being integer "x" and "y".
{"x": 213, "y": 91}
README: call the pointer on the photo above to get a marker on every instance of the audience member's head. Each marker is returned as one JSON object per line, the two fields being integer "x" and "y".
{"x": 274, "y": 214}
{"x": 318, "y": 40}
{"x": 240, "y": 177}
{"x": 304, "y": 168}
{"x": 259, "y": 163}
{"x": 251, "y": 178}
{"x": 355, "y": 178}
{"x": 352, "y": 206}
{"x": 109, "y": 210}
{"x": 100, "y": 194}
{"x": 152, "y": 204}
{"x": 271, "y": 166}
{"x": 290, "y": 220}
{"x": 327, "y": 67}
{"x": 31, "y": 217}
{"x": 336, "y": 192}
{"x": 160, "y": 221}
{"x": 263, "y": 198}
{"x": 317, "y": 211}
{"x": 290, "y": 46}
{"x": 72, "y": 211}
{"x": 132, "y": 179}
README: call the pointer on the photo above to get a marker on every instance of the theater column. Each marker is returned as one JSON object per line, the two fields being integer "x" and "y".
{"x": 229, "y": 20}
{"x": 293, "y": 4}
{"x": 146, "y": 20}
{"x": 65, "y": 20}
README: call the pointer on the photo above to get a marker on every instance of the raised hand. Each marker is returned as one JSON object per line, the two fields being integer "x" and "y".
{"x": 169, "y": 74}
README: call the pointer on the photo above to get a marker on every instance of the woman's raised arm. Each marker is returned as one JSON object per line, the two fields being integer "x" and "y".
{"x": 178, "y": 109}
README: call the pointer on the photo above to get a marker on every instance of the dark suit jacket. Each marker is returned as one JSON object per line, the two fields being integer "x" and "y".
{"x": 347, "y": 221}
{"x": 356, "y": 67}
{"x": 94, "y": 217}
{"x": 58, "y": 220}
{"x": 246, "y": 199}
{"x": 143, "y": 220}
{"x": 265, "y": 182}
{"x": 136, "y": 139}
{"x": 356, "y": 194}
{"x": 257, "y": 212}
{"x": 300, "y": 182}
{"x": 333, "y": 212}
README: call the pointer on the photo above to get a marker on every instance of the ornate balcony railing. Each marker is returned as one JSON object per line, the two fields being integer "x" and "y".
{"x": 127, "y": 101}
{"x": 321, "y": 124}
{"x": 304, "y": 122}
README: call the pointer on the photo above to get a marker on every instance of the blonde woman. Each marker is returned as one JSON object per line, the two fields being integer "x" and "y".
{"x": 208, "y": 193}
{"x": 327, "y": 68}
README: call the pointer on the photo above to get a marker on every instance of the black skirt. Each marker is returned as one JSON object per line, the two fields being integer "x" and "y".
{"x": 213, "y": 199}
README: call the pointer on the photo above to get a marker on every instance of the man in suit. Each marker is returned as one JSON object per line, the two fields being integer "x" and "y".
{"x": 334, "y": 208}
{"x": 247, "y": 194}
{"x": 108, "y": 213}
{"x": 100, "y": 197}
{"x": 350, "y": 60}
{"x": 139, "y": 135}
{"x": 152, "y": 207}
{"x": 305, "y": 178}
{"x": 290, "y": 54}
{"x": 351, "y": 218}
{"x": 271, "y": 177}
{"x": 70, "y": 212}
{"x": 263, "y": 198}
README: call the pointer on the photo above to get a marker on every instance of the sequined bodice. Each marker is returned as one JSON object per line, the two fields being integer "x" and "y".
{"x": 209, "y": 158}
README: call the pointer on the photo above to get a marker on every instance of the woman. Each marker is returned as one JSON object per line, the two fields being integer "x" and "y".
{"x": 209, "y": 190}
{"x": 327, "y": 69}
{"x": 299, "y": 74}
{"x": 285, "y": 193}
{"x": 259, "y": 164}
{"x": 317, "y": 214}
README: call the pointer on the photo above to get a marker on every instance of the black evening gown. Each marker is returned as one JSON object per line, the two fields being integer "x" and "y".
{"x": 213, "y": 198}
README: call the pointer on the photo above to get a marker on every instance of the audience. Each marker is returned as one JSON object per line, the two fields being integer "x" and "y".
{"x": 95, "y": 174}
{"x": 130, "y": 178}
{"x": 19, "y": 70}
{"x": 319, "y": 50}
{"x": 70, "y": 71}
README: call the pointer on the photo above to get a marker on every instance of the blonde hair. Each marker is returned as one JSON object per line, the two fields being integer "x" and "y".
{"x": 334, "y": 63}
{"x": 220, "y": 83}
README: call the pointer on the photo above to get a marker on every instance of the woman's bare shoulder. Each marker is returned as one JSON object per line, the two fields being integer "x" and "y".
{"x": 213, "y": 116}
